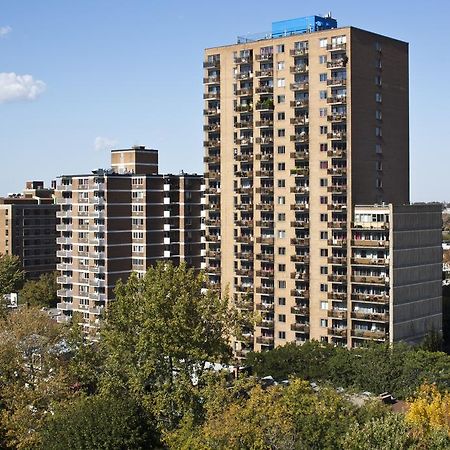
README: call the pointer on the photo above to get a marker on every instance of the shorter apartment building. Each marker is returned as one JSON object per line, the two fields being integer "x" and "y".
{"x": 122, "y": 220}
{"x": 28, "y": 228}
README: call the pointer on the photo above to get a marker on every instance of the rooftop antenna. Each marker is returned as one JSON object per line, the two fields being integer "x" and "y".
{"x": 328, "y": 15}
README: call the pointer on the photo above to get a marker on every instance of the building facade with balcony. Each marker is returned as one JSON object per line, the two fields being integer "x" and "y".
{"x": 118, "y": 221}
{"x": 301, "y": 124}
{"x": 28, "y": 228}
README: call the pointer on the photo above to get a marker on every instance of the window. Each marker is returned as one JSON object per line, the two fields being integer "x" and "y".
{"x": 281, "y": 166}
{"x": 281, "y": 301}
{"x": 378, "y": 149}
{"x": 324, "y": 235}
{"x": 281, "y": 267}
{"x": 377, "y": 46}
{"x": 323, "y": 147}
{"x": 323, "y": 323}
{"x": 322, "y": 77}
{"x": 323, "y": 112}
{"x": 281, "y": 183}
{"x": 281, "y": 234}
{"x": 281, "y": 98}
{"x": 323, "y": 43}
{"x": 378, "y": 114}
{"x": 281, "y": 116}
{"x": 281, "y": 149}
{"x": 379, "y": 165}
{"x": 281, "y": 317}
{"x": 281, "y": 132}
{"x": 282, "y": 284}
{"x": 281, "y": 82}
{"x": 323, "y": 252}
{"x": 323, "y": 182}
{"x": 324, "y": 217}
{"x": 378, "y": 80}
{"x": 323, "y": 304}
{"x": 323, "y": 287}
{"x": 323, "y": 129}
{"x": 281, "y": 250}
{"x": 323, "y": 270}
{"x": 324, "y": 164}
{"x": 378, "y": 183}
{"x": 323, "y": 200}
{"x": 378, "y": 64}
{"x": 282, "y": 335}
{"x": 281, "y": 200}
{"x": 280, "y": 48}
{"x": 378, "y": 97}
{"x": 323, "y": 95}
{"x": 378, "y": 132}
{"x": 281, "y": 217}
{"x": 322, "y": 59}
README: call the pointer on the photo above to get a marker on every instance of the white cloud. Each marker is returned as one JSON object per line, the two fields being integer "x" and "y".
{"x": 15, "y": 87}
{"x": 102, "y": 143}
{"x": 5, "y": 30}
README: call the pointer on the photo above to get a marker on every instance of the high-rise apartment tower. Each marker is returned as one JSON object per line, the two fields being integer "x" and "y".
{"x": 302, "y": 124}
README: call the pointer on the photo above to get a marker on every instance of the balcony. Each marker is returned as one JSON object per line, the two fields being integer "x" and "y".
{"x": 64, "y": 306}
{"x": 267, "y": 73}
{"x": 245, "y": 92}
{"x": 64, "y": 293}
{"x": 336, "y": 82}
{"x": 244, "y": 239}
{"x": 298, "y": 52}
{"x": 264, "y": 207}
{"x": 300, "y": 276}
{"x": 337, "y": 278}
{"x": 211, "y": 112}
{"x": 244, "y": 108}
{"x": 372, "y": 316}
{"x": 264, "y": 57}
{"x": 265, "y": 240}
{"x": 212, "y": 175}
{"x": 337, "y": 313}
{"x": 337, "y": 242}
{"x": 337, "y": 171}
{"x": 212, "y": 253}
{"x": 337, "y": 295}
{"x": 265, "y": 223}
{"x": 246, "y": 124}
{"x": 300, "y": 310}
{"x": 300, "y": 171}
{"x": 247, "y": 256}
{"x": 339, "y": 99}
{"x": 337, "y": 189}
{"x": 213, "y": 206}
{"x": 97, "y": 296}
{"x": 265, "y": 340}
{"x": 370, "y": 279}
{"x": 264, "y": 140}
{"x": 211, "y": 64}
{"x": 264, "y": 123}
{"x": 264, "y": 156}
{"x": 211, "y": 159}
{"x": 300, "y": 327}
{"x": 214, "y": 79}
{"x": 64, "y": 214}
{"x": 264, "y": 307}
{"x": 304, "y": 293}
{"x": 337, "y": 153}
{"x": 302, "y": 242}
{"x": 299, "y": 86}
{"x": 369, "y": 334}
{"x": 268, "y": 190}
{"x": 243, "y": 223}
{"x": 370, "y": 243}
{"x": 264, "y": 106}
{"x": 212, "y": 127}
{"x": 337, "y": 207}
{"x": 338, "y": 260}
{"x": 243, "y": 272}
{"x": 64, "y": 253}
{"x": 300, "y": 224}
{"x": 244, "y": 76}
{"x": 299, "y": 120}
{"x": 212, "y": 143}
{"x": 64, "y": 227}
{"x": 64, "y": 201}
{"x": 243, "y": 60}
{"x": 337, "y": 63}
{"x": 264, "y": 173}
{"x": 340, "y": 332}
{"x": 247, "y": 157}
{"x": 371, "y": 298}
{"x": 264, "y": 90}
{"x": 300, "y": 103}
{"x": 63, "y": 240}
{"x": 266, "y": 324}
{"x": 300, "y": 138}
{"x": 300, "y": 259}
{"x": 338, "y": 224}
{"x": 264, "y": 256}
{"x": 337, "y": 136}
{"x": 244, "y": 207}
{"x": 211, "y": 95}
{"x": 244, "y": 141}
{"x": 265, "y": 273}
{"x": 64, "y": 279}
{"x": 265, "y": 290}
{"x": 247, "y": 190}
{"x": 337, "y": 117}
{"x": 302, "y": 68}
{"x": 370, "y": 261}
{"x": 336, "y": 47}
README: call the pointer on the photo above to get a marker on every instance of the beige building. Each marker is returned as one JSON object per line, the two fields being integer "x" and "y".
{"x": 118, "y": 221}
{"x": 28, "y": 228}
{"x": 302, "y": 124}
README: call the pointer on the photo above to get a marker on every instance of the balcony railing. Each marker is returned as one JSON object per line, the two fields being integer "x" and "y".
{"x": 211, "y": 95}
{"x": 264, "y": 123}
{"x": 300, "y": 103}
{"x": 302, "y": 138}
{"x": 336, "y": 47}
{"x": 372, "y": 316}
{"x": 299, "y": 86}
{"x": 339, "y": 99}
{"x": 337, "y": 135}
{"x": 211, "y": 64}
{"x": 264, "y": 57}
{"x": 337, "y": 117}
{"x": 369, "y": 334}
{"x": 264, "y": 90}
{"x": 300, "y": 327}
{"x": 336, "y": 82}
{"x": 299, "y": 120}
{"x": 371, "y": 298}
{"x": 211, "y": 80}
{"x": 337, "y": 63}
{"x": 264, "y": 73}
{"x": 337, "y": 314}
{"x": 298, "y": 52}
{"x": 341, "y": 332}
{"x": 299, "y": 69}
{"x": 300, "y": 310}
{"x": 265, "y": 340}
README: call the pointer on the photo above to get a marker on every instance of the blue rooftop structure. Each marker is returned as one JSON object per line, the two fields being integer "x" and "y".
{"x": 292, "y": 26}
{"x": 302, "y": 25}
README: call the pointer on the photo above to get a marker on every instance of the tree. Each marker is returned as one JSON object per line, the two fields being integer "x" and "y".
{"x": 159, "y": 334}
{"x": 99, "y": 422}
{"x": 33, "y": 374}
{"x": 41, "y": 292}
{"x": 11, "y": 274}
{"x": 430, "y": 410}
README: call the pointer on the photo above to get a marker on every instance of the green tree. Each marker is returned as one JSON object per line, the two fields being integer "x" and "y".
{"x": 99, "y": 422}
{"x": 33, "y": 374}
{"x": 41, "y": 292}
{"x": 11, "y": 274}
{"x": 159, "y": 334}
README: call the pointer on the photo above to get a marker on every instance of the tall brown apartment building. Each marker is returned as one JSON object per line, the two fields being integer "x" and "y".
{"x": 301, "y": 125}
{"x": 118, "y": 221}
{"x": 28, "y": 228}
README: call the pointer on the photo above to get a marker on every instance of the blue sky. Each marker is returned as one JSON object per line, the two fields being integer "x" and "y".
{"x": 125, "y": 72}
